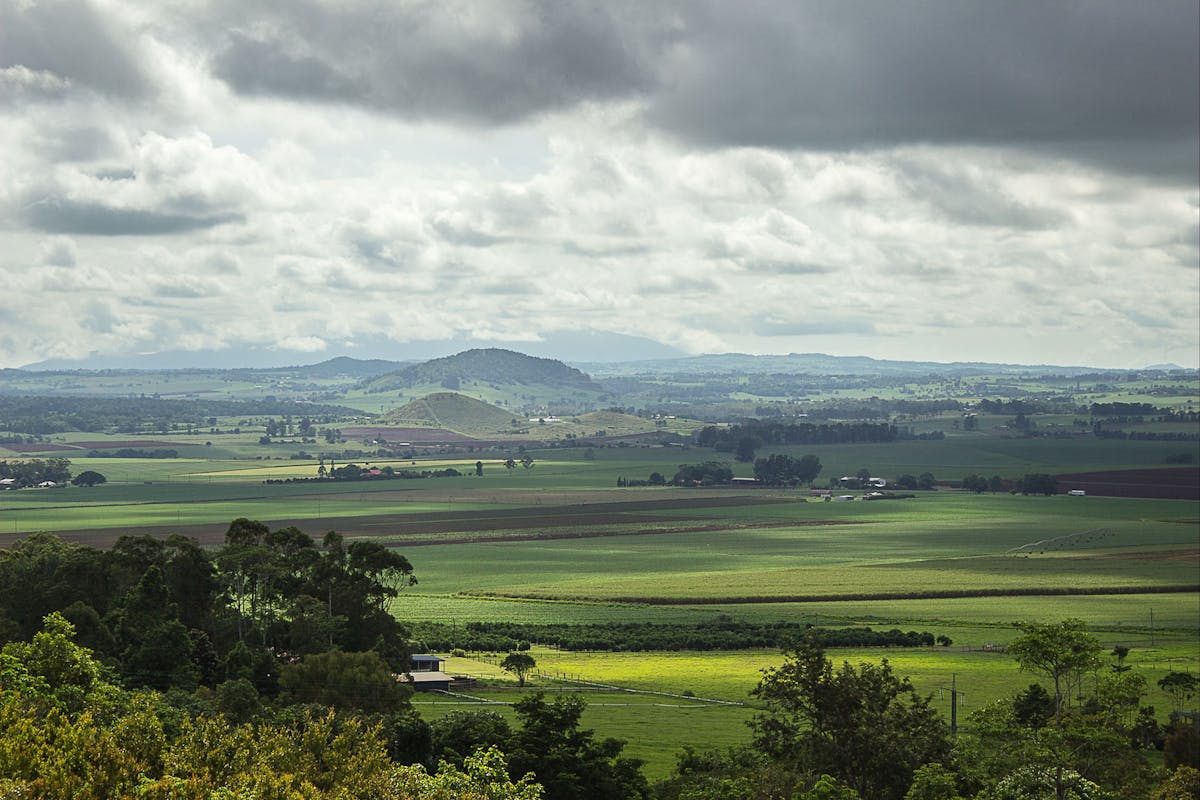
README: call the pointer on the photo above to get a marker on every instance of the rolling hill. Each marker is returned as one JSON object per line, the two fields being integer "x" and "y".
{"x": 491, "y": 366}
{"x": 453, "y": 412}
{"x": 501, "y": 377}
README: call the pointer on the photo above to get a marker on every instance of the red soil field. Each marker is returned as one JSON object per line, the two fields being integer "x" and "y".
{"x": 135, "y": 443}
{"x": 40, "y": 448}
{"x": 1171, "y": 483}
{"x": 411, "y": 435}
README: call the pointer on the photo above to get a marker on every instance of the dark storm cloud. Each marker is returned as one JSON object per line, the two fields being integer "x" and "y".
{"x": 71, "y": 40}
{"x": 57, "y": 215}
{"x": 970, "y": 199}
{"x": 1107, "y": 81}
{"x": 485, "y": 63}
{"x": 1089, "y": 79}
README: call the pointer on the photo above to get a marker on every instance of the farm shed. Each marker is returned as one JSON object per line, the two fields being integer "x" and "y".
{"x": 425, "y": 674}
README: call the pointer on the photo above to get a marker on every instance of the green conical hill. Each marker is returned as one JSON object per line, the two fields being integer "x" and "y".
{"x": 454, "y": 412}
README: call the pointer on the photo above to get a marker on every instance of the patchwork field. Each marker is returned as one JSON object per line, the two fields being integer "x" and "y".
{"x": 560, "y": 543}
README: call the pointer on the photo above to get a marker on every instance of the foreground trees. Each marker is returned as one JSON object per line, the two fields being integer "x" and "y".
{"x": 860, "y": 733}
{"x": 69, "y": 731}
{"x": 181, "y": 698}
{"x": 170, "y": 614}
{"x": 863, "y": 725}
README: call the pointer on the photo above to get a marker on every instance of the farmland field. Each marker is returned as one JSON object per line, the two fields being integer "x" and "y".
{"x": 560, "y": 543}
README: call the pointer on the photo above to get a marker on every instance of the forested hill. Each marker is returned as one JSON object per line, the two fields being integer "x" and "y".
{"x": 488, "y": 366}
{"x": 344, "y": 366}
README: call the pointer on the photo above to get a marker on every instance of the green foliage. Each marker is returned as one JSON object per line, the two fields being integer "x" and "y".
{"x": 520, "y": 664}
{"x": 318, "y": 757}
{"x": 1181, "y": 745}
{"x": 53, "y": 666}
{"x": 88, "y": 478}
{"x": 1034, "y": 707}
{"x": 1037, "y": 783}
{"x": 710, "y": 473}
{"x": 1181, "y": 687}
{"x": 33, "y": 471}
{"x": 828, "y": 787}
{"x": 343, "y": 680}
{"x": 781, "y": 470}
{"x": 238, "y": 700}
{"x": 566, "y": 759}
{"x": 725, "y": 439}
{"x": 1038, "y": 483}
{"x": 739, "y": 773}
{"x": 1061, "y": 651}
{"x": 408, "y": 736}
{"x": 744, "y": 451}
{"x": 720, "y": 633}
{"x": 483, "y": 777}
{"x": 1014, "y": 751}
{"x": 933, "y": 782}
{"x": 863, "y": 725}
{"x": 459, "y": 734}
{"x": 1182, "y": 784}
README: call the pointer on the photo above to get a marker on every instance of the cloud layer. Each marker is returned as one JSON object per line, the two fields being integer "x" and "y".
{"x": 1008, "y": 182}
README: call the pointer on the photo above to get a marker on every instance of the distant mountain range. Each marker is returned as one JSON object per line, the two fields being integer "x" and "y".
{"x": 531, "y": 387}
{"x": 569, "y": 346}
{"x": 490, "y": 363}
{"x": 822, "y": 364}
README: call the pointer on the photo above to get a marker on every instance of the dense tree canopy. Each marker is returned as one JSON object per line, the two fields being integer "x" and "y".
{"x": 170, "y": 614}
{"x": 781, "y": 470}
{"x": 863, "y": 725}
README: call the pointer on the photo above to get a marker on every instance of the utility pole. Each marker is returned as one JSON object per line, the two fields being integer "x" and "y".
{"x": 953, "y": 705}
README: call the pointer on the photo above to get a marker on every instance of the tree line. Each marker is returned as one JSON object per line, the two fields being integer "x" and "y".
{"x": 45, "y": 415}
{"x": 31, "y": 472}
{"x": 726, "y": 439}
{"x": 719, "y": 634}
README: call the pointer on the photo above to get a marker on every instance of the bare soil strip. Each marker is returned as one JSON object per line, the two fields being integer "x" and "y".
{"x": 1170, "y": 483}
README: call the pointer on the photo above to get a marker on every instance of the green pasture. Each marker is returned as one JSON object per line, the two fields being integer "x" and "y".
{"x": 648, "y": 701}
{"x": 969, "y": 621}
{"x": 654, "y": 730}
{"x": 955, "y": 457}
{"x": 939, "y": 541}
{"x": 773, "y": 552}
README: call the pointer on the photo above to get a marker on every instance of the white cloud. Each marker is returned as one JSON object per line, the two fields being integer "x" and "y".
{"x": 194, "y": 204}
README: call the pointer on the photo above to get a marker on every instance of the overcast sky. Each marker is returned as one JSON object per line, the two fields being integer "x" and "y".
{"x": 988, "y": 181}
